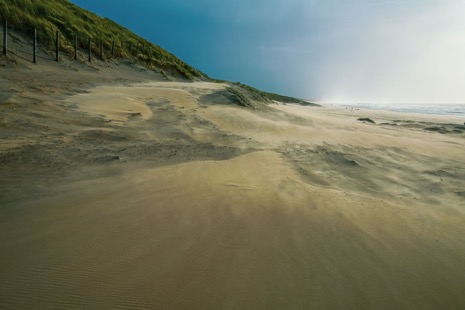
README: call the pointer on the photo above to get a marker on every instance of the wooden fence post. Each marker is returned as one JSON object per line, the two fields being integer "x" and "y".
{"x": 113, "y": 50}
{"x": 130, "y": 49}
{"x": 34, "y": 47}
{"x": 90, "y": 50}
{"x": 5, "y": 36}
{"x": 57, "y": 46}
{"x": 75, "y": 47}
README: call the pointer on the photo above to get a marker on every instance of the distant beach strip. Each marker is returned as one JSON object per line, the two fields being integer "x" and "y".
{"x": 436, "y": 109}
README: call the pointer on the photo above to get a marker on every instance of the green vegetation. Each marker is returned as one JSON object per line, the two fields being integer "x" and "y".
{"x": 366, "y": 119}
{"x": 446, "y": 128}
{"x": 287, "y": 99}
{"x": 269, "y": 97}
{"x": 49, "y": 16}
{"x": 250, "y": 97}
{"x": 264, "y": 97}
{"x": 240, "y": 98}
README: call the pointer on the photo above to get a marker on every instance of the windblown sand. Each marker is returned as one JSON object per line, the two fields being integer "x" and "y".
{"x": 160, "y": 195}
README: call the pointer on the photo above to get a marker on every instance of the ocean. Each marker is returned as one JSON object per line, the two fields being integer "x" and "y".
{"x": 437, "y": 109}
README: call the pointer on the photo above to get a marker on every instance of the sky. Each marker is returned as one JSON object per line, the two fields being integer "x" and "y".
{"x": 348, "y": 51}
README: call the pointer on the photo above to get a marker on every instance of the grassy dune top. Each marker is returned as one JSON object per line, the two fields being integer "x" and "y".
{"x": 49, "y": 16}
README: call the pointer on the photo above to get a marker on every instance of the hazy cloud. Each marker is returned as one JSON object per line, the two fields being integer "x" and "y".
{"x": 334, "y": 50}
{"x": 404, "y": 53}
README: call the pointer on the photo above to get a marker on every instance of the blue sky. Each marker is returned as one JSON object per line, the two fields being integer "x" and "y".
{"x": 332, "y": 50}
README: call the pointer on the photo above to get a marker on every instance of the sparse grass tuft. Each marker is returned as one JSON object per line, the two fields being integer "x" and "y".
{"x": 240, "y": 98}
{"x": 366, "y": 119}
{"x": 270, "y": 97}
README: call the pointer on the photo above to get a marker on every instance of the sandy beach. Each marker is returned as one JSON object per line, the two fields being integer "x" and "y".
{"x": 120, "y": 190}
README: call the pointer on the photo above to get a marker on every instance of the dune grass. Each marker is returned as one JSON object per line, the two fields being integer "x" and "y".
{"x": 262, "y": 96}
{"x": 49, "y": 16}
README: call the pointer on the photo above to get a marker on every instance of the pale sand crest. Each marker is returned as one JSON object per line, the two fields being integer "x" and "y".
{"x": 288, "y": 208}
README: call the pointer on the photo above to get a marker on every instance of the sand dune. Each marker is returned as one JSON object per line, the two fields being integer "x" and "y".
{"x": 151, "y": 196}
